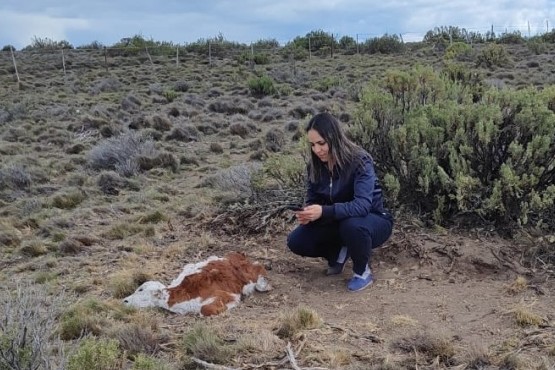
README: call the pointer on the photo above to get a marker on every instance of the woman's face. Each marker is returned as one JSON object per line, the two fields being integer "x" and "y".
{"x": 319, "y": 146}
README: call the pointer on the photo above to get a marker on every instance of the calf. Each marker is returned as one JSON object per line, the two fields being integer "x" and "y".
{"x": 207, "y": 288}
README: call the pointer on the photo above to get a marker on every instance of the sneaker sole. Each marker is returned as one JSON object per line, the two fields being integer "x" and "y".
{"x": 359, "y": 289}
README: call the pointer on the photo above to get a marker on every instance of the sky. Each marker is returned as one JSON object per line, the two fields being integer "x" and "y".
{"x": 184, "y": 21}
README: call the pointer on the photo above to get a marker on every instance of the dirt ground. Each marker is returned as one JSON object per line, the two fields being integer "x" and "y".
{"x": 431, "y": 289}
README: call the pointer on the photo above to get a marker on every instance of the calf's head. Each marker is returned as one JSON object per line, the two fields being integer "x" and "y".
{"x": 150, "y": 294}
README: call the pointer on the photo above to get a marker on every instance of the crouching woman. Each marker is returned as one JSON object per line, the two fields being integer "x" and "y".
{"x": 344, "y": 214}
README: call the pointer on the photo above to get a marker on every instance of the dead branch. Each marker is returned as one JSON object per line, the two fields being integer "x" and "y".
{"x": 371, "y": 337}
{"x": 209, "y": 365}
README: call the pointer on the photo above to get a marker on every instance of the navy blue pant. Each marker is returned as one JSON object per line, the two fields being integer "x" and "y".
{"x": 359, "y": 234}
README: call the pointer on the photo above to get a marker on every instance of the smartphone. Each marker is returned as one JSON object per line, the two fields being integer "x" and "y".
{"x": 294, "y": 207}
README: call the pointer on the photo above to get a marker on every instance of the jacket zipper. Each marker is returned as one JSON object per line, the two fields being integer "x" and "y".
{"x": 331, "y": 186}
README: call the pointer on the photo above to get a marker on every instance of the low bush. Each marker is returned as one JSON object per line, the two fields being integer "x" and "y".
{"x": 386, "y": 44}
{"x": 121, "y": 153}
{"x": 458, "y": 50}
{"x": 453, "y": 156}
{"x": 493, "y": 56}
{"x": 94, "y": 353}
{"x": 262, "y": 86}
{"x": 27, "y": 320}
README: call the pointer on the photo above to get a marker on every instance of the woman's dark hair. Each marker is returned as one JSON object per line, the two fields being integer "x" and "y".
{"x": 342, "y": 151}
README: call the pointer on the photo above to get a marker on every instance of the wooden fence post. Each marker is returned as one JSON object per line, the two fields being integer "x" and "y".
{"x": 106, "y": 59}
{"x": 63, "y": 62}
{"x": 177, "y": 56}
{"x": 209, "y": 54}
{"x": 149, "y": 57}
{"x": 15, "y": 66}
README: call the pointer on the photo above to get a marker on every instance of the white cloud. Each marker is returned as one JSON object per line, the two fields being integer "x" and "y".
{"x": 19, "y": 28}
{"x": 108, "y": 21}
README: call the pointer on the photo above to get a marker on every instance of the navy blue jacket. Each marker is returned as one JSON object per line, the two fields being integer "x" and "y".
{"x": 353, "y": 191}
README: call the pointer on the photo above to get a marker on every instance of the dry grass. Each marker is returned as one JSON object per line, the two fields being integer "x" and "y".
{"x": 524, "y": 317}
{"x": 428, "y": 345}
{"x": 125, "y": 282}
{"x": 403, "y": 320}
{"x": 295, "y": 321}
{"x": 205, "y": 343}
{"x": 519, "y": 285}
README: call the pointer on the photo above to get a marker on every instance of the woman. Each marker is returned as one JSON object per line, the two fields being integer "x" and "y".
{"x": 344, "y": 213}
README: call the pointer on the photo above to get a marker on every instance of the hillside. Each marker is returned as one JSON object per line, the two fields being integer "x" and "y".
{"x": 73, "y": 221}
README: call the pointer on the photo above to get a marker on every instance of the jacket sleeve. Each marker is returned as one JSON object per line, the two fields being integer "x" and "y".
{"x": 364, "y": 183}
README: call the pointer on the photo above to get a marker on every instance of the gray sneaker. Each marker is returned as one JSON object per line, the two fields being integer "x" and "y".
{"x": 336, "y": 269}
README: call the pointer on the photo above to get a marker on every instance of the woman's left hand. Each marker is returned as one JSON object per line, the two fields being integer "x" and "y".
{"x": 309, "y": 214}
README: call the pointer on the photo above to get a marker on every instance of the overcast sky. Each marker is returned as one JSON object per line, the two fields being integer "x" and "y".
{"x": 182, "y": 21}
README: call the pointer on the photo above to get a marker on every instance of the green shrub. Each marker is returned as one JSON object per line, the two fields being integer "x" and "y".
{"x": 511, "y": 38}
{"x": 457, "y": 50}
{"x": 170, "y": 95}
{"x": 94, "y": 354}
{"x": 68, "y": 200}
{"x": 493, "y": 56}
{"x": 144, "y": 362}
{"x": 81, "y": 319}
{"x": 386, "y": 44}
{"x": 262, "y": 86}
{"x": 327, "y": 83}
{"x": 46, "y": 43}
{"x": 537, "y": 46}
{"x": 450, "y": 155}
{"x": 257, "y": 58}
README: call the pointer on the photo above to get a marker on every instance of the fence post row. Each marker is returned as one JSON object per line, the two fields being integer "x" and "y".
{"x": 15, "y": 66}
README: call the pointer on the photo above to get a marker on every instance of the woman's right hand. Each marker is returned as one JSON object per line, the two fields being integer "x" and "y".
{"x": 309, "y": 214}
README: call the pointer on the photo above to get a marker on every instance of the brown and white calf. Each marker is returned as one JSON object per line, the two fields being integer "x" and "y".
{"x": 207, "y": 288}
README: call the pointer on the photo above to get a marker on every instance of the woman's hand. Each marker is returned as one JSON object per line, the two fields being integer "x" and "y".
{"x": 309, "y": 214}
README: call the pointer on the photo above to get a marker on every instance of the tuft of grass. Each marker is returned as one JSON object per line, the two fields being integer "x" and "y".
{"x": 293, "y": 322}
{"x": 216, "y": 148}
{"x": 70, "y": 246}
{"x": 9, "y": 237}
{"x": 145, "y": 362}
{"x": 134, "y": 339}
{"x": 512, "y": 361}
{"x": 33, "y": 248}
{"x": 429, "y": 345}
{"x": 42, "y": 277}
{"x": 403, "y": 320}
{"x": 122, "y": 231}
{"x": 205, "y": 343}
{"x": 338, "y": 358}
{"x": 524, "y": 317}
{"x": 68, "y": 200}
{"x": 124, "y": 283}
{"x": 263, "y": 341}
{"x": 83, "y": 318}
{"x": 477, "y": 357}
{"x": 152, "y": 218}
{"x": 170, "y": 95}
{"x": 519, "y": 285}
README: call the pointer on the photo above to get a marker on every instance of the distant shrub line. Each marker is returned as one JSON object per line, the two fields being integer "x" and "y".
{"x": 318, "y": 42}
